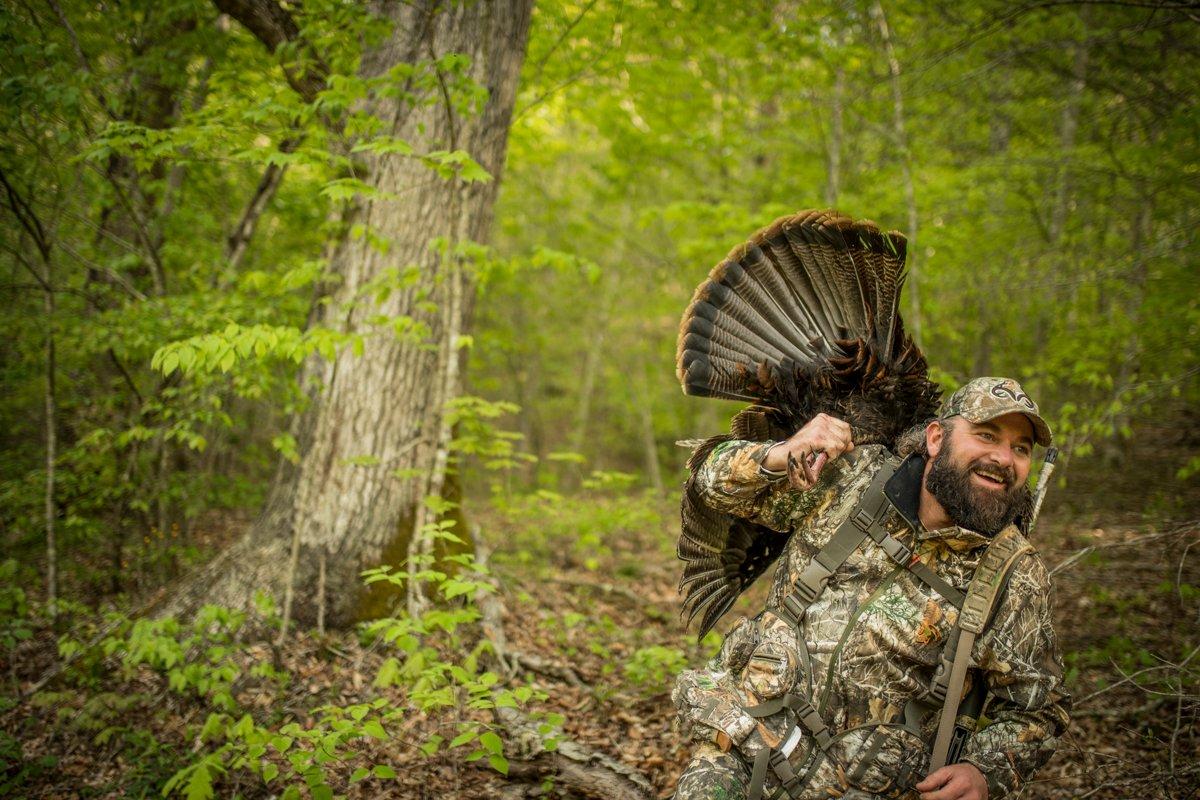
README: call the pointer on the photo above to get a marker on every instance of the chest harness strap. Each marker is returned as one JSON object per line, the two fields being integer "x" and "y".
{"x": 867, "y": 521}
{"x": 976, "y": 607}
{"x": 990, "y": 577}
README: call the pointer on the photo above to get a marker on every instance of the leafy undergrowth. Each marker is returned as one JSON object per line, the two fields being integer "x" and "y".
{"x": 397, "y": 709}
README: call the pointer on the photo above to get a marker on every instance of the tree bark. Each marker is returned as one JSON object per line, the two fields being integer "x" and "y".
{"x": 386, "y": 403}
{"x": 51, "y": 447}
{"x": 1067, "y": 132}
{"x": 833, "y": 147}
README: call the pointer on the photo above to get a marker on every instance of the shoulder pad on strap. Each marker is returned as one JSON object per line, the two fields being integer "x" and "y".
{"x": 991, "y": 576}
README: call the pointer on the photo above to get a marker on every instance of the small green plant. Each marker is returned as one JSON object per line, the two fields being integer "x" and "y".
{"x": 433, "y": 682}
{"x": 15, "y": 625}
{"x": 197, "y": 659}
{"x": 654, "y": 668}
{"x": 16, "y": 772}
{"x": 296, "y": 756}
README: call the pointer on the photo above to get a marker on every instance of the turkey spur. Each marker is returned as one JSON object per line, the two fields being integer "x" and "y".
{"x": 801, "y": 319}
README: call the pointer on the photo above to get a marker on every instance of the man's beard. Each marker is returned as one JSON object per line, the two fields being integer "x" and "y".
{"x": 971, "y": 506}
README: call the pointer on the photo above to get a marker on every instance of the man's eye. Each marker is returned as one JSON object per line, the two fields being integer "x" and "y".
{"x": 987, "y": 437}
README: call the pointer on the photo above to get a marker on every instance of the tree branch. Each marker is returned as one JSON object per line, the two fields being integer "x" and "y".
{"x": 26, "y": 216}
{"x": 238, "y": 242}
{"x": 274, "y": 26}
{"x": 143, "y": 233}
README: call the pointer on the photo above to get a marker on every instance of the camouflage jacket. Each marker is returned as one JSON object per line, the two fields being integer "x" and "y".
{"x": 874, "y": 637}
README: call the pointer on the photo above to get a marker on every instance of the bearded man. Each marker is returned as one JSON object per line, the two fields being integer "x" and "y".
{"x": 838, "y": 688}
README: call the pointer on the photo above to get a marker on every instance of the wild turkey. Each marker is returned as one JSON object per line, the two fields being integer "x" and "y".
{"x": 801, "y": 319}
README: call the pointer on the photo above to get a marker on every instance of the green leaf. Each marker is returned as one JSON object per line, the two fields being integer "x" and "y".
{"x": 359, "y": 774}
{"x": 384, "y": 771}
{"x": 463, "y": 738}
{"x": 199, "y": 786}
{"x": 498, "y": 763}
{"x": 389, "y": 670}
{"x": 491, "y": 742}
{"x": 374, "y": 729}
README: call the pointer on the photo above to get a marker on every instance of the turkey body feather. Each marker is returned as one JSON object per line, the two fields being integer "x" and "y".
{"x": 801, "y": 319}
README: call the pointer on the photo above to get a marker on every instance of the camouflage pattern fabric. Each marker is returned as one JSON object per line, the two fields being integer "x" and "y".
{"x": 871, "y": 642}
{"x": 985, "y": 399}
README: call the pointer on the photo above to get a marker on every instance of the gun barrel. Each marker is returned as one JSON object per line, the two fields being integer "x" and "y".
{"x": 1043, "y": 485}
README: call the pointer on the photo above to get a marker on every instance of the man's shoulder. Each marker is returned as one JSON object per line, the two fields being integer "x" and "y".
{"x": 1029, "y": 582}
{"x": 860, "y": 465}
{"x": 1033, "y": 567}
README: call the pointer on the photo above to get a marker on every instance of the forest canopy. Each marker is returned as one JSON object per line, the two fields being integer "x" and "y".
{"x": 294, "y": 291}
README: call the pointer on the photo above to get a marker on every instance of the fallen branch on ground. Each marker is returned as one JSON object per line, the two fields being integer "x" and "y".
{"x": 572, "y": 765}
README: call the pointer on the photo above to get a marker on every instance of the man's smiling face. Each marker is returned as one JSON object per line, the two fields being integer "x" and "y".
{"x": 979, "y": 471}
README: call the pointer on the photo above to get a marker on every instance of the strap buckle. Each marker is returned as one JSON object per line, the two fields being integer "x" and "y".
{"x": 784, "y": 772}
{"x": 862, "y": 520}
{"x": 897, "y": 550}
{"x": 812, "y": 582}
{"x": 795, "y": 606}
{"x": 806, "y": 593}
{"x": 941, "y": 682}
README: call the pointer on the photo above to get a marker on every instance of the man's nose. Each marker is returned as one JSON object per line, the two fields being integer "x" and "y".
{"x": 1003, "y": 455}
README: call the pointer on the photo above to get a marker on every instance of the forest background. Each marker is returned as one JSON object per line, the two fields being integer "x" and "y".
{"x": 338, "y": 343}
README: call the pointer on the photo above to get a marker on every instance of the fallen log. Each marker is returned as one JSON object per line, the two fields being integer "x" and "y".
{"x": 571, "y": 765}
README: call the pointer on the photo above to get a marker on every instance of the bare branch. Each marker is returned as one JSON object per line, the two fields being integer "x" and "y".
{"x": 274, "y": 26}
{"x": 238, "y": 242}
{"x": 26, "y": 216}
{"x": 142, "y": 230}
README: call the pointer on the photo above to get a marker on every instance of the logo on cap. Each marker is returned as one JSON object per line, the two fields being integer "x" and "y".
{"x": 1017, "y": 396}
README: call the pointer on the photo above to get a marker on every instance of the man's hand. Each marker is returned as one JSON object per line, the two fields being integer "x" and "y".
{"x": 955, "y": 782}
{"x": 804, "y": 455}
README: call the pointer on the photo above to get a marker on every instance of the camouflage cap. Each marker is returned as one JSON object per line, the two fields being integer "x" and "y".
{"x": 987, "y": 398}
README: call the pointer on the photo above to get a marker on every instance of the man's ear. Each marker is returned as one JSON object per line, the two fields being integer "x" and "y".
{"x": 933, "y": 438}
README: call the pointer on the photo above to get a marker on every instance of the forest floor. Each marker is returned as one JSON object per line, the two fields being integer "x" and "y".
{"x": 592, "y": 608}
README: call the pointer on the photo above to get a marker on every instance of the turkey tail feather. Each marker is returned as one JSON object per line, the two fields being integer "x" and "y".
{"x": 800, "y": 319}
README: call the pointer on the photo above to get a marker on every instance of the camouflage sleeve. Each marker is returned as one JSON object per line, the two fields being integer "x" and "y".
{"x": 731, "y": 480}
{"x": 1029, "y": 708}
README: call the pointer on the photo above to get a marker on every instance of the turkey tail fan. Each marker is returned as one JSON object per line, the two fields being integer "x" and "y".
{"x": 802, "y": 318}
{"x": 722, "y": 556}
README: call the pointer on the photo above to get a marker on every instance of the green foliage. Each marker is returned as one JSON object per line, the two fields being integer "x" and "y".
{"x": 1053, "y": 160}
{"x": 15, "y": 625}
{"x": 17, "y": 772}
{"x": 475, "y": 434}
{"x": 430, "y": 665}
{"x": 1053, "y": 238}
{"x": 198, "y": 659}
{"x": 184, "y": 312}
{"x": 653, "y": 669}
{"x": 586, "y": 529}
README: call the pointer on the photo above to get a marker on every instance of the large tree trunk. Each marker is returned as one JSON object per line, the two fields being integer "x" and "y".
{"x": 387, "y": 403}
